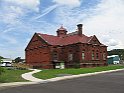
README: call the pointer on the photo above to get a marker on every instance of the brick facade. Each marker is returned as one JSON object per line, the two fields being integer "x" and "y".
{"x": 73, "y": 49}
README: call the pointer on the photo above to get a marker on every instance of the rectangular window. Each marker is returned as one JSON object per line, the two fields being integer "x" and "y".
{"x": 104, "y": 56}
{"x": 92, "y": 55}
{"x": 97, "y": 55}
{"x": 55, "y": 56}
{"x": 70, "y": 57}
{"x": 83, "y": 55}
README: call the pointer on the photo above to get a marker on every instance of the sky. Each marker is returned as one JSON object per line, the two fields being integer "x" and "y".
{"x": 20, "y": 19}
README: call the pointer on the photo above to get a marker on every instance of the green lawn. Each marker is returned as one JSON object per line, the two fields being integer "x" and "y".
{"x": 12, "y": 76}
{"x": 47, "y": 74}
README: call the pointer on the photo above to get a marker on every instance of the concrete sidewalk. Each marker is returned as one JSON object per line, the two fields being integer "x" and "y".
{"x": 28, "y": 76}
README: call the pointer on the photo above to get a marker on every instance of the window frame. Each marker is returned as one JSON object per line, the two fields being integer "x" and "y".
{"x": 55, "y": 55}
{"x": 83, "y": 55}
{"x": 97, "y": 55}
{"x": 104, "y": 56}
{"x": 93, "y": 55}
{"x": 70, "y": 56}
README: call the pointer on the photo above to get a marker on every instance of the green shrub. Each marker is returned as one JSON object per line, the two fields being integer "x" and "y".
{"x": 1, "y": 70}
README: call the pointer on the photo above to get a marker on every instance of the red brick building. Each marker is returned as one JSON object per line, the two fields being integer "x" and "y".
{"x": 65, "y": 50}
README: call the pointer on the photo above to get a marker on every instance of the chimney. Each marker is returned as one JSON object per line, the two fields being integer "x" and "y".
{"x": 80, "y": 29}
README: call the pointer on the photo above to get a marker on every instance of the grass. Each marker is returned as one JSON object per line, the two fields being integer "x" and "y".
{"x": 47, "y": 74}
{"x": 12, "y": 76}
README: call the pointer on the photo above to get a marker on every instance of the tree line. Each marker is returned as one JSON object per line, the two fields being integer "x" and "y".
{"x": 119, "y": 52}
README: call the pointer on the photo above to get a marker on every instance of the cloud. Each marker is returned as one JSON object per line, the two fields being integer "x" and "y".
{"x": 112, "y": 43}
{"x": 12, "y": 11}
{"x": 8, "y": 30}
{"x": 30, "y": 4}
{"x": 10, "y": 18}
{"x": 46, "y": 11}
{"x": 109, "y": 41}
{"x": 10, "y": 14}
{"x": 9, "y": 39}
{"x": 72, "y": 3}
{"x": 70, "y": 17}
{"x": 107, "y": 20}
{"x": 59, "y": 3}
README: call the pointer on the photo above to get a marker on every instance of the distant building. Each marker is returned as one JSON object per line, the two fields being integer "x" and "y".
{"x": 65, "y": 50}
{"x": 113, "y": 59}
{"x": 6, "y": 62}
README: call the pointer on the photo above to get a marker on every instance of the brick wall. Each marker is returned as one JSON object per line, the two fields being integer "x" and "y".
{"x": 40, "y": 54}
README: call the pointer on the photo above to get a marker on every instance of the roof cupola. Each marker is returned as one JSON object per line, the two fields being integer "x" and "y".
{"x": 61, "y": 31}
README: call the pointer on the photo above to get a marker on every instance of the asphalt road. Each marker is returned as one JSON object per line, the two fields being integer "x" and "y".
{"x": 102, "y": 83}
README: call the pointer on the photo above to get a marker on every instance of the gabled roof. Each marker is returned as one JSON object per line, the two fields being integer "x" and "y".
{"x": 66, "y": 40}
{"x": 94, "y": 40}
{"x": 63, "y": 38}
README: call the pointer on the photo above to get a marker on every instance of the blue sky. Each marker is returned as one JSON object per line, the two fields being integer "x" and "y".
{"x": 20, "y": 19}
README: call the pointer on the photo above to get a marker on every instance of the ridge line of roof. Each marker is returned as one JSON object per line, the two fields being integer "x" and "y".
{"x": 47, "y": 34}
{"x": 42, "y": 38}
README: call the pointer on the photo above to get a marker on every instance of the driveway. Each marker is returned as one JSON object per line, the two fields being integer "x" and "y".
{"x": 102, "y": 83}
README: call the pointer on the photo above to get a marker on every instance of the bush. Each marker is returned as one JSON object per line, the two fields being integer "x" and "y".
{"x": 1, "y": 70}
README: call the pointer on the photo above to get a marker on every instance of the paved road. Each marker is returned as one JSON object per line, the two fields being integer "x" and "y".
{"x": 102, "y": 83}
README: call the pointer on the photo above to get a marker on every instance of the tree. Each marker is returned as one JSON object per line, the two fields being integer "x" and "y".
{"x": 1, "y": 57}
{"x": 18, "y": 59}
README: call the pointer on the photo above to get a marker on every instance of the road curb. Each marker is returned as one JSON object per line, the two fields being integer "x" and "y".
{"x": 81, "y": 75}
